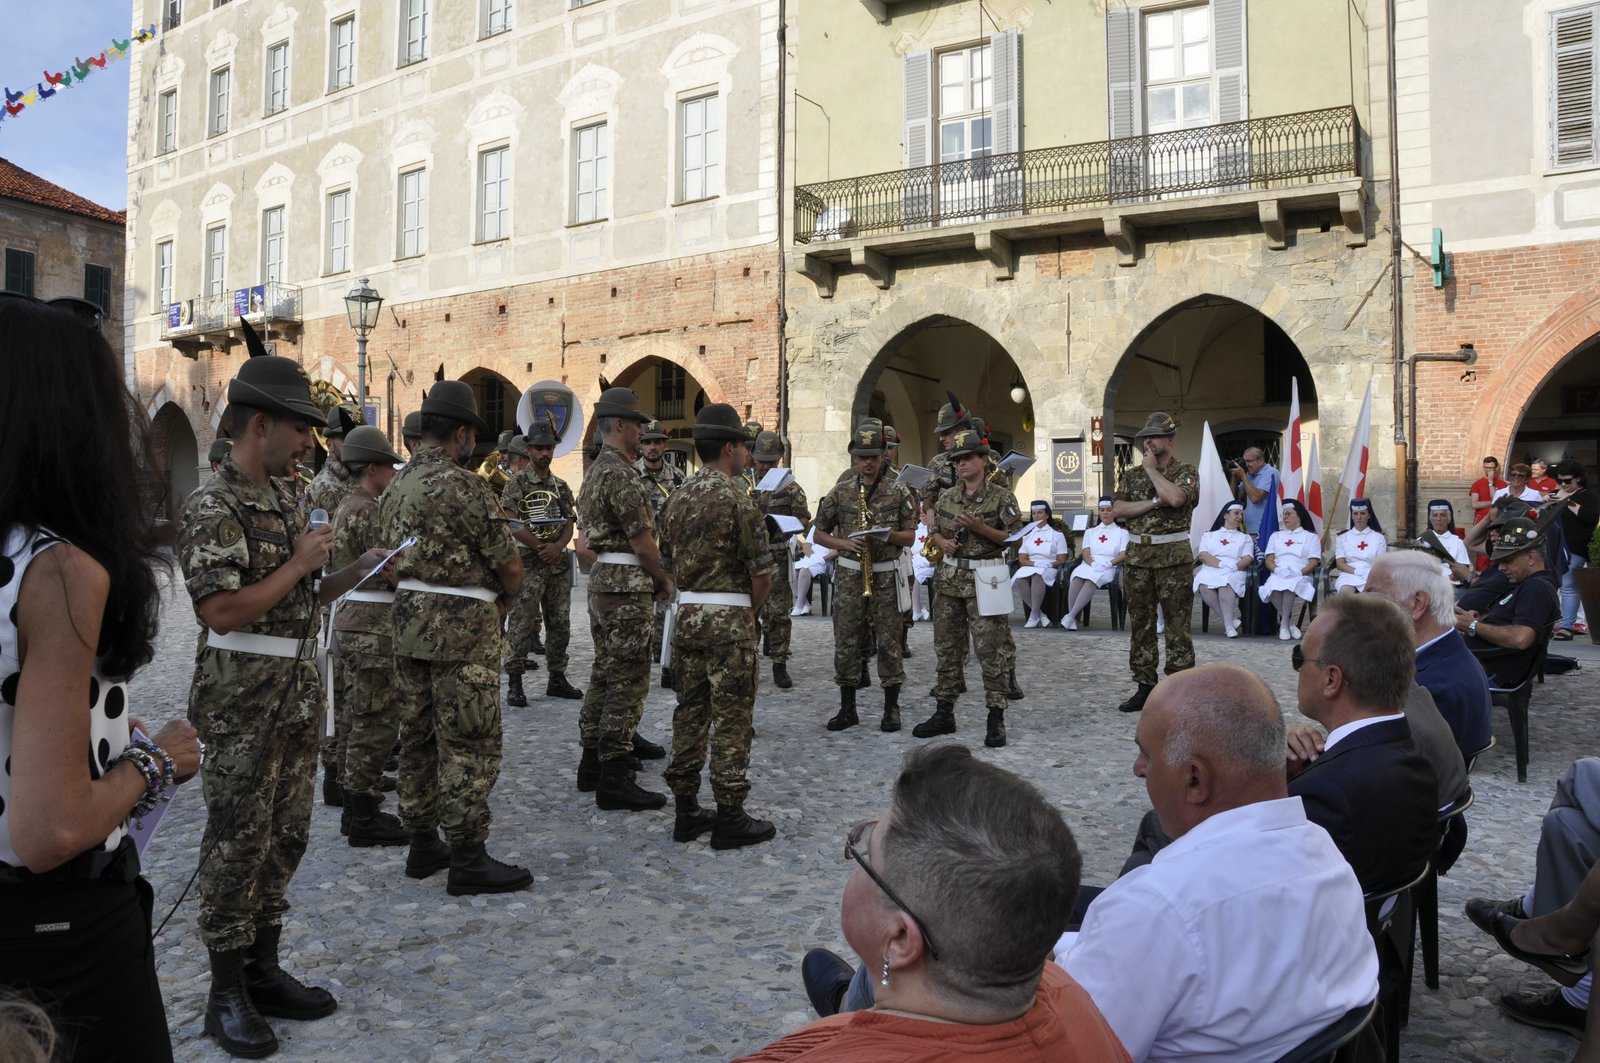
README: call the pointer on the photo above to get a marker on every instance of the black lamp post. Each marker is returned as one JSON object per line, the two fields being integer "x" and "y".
{"x": 362, "y": 306}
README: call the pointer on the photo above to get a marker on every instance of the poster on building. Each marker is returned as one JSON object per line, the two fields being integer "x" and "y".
{"x": 174, "y": 315}
{"x": 241, "y": 302}
{"x": 1069, "y": 477}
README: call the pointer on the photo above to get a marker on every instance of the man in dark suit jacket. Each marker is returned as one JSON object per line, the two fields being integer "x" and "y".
{"x": 1370, "y": 788}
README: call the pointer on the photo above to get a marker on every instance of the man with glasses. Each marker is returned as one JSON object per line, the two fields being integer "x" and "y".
{"x": 1517, "y": 486}
{"x": 1253, "y": 481}
{"x": 1580, "y": 513}
{"x": 1504, "y": 637}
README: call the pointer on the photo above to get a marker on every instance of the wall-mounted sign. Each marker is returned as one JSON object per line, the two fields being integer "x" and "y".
{"x": 1069, "y": 475}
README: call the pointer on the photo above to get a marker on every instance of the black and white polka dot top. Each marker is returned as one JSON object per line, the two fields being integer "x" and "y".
{"x": 108, "y": 702}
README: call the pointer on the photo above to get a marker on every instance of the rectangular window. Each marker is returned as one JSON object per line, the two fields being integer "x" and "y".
{"x": 494, "y": 194}
{"x": 342, "y": 54}
{"x": 413, "y": 31}
{"x": 163, "y": 275}
{"x": 221, "y": 85}
{"x": 413, "y": 213}
{"x": 700, "y": 149}
{"x": 338, "y": 231}
{"x": 272, "y": 245}
{"x": 216, "y": 259}
{"x": 496, "y": 17}
{"x": 171, "y": 14}
{"x": 670, "y": 387}
{"x": 966, "y": 120}
{"x": 19, "y": 271}
{"x": 97, "y": 287}
{"x": 167, "y": 122}
{"x": 1177, "y": 69}
{"x": 1574, "y": 82}
{"x": 591, "y": 172}
{"x": 278, "y": 77}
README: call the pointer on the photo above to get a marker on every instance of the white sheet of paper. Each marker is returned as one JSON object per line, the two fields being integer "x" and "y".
{"x": 870, "y": 533}
{"x": 142, "y": 835}
{"x": 914, "y": 476}
{"x": 775, "y": 480}
{"x": 1017, "y": 464}
{"x": 786, "y": 524}
{"x": 1080, "y": 522}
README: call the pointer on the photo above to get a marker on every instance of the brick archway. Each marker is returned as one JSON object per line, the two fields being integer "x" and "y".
{"x": 625, "y": 365}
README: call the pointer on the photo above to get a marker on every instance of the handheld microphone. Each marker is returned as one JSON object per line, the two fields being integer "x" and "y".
{"x": 318, "y": 519}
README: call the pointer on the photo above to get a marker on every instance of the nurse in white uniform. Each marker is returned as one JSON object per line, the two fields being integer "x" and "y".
{"x": 1226, "y": 553}
{"x": 1104, "y": 547}
{"x": 1442, "y": 525}
{"x": 812, "y": 562}
{"x": 1039, "y": 551}
{"x": 1293, "y": 554}
{"x": 1356, "y": 546}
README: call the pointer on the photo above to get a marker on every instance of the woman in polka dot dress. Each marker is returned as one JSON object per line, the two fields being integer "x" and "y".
{"x": 78, "y": 605}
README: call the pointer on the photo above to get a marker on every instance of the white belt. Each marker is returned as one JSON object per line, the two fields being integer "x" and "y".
{"x": 261, "y": 645}
{"x": 1159, "y": 540}
{"x": 617, "y": 558}
{"x": 375, "y": 597}
{"x": 714, "y": 598}
{"x": 855, "y": 566}
{"x": 483, "y": 594}
{"x": 973, "y": 562}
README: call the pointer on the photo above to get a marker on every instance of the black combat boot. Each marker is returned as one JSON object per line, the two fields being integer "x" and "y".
{"x": 1137, "y": 699}
{"x": 619, "y": 792}
{"x": 472, "y": 870}
{"x": 538, "y": 645}
{"x": 735, "y": 828}
{"x": 515, "y": 697}
{"x": 905, "y": 643}
{"x": 428, "y": 854}
{"x": 369, "y": 826}
{"x": 344, "y": 821}
{"x": 846, "y": 716}
{"x": 666, "y": 679}
{"x": 942, "y": 722}
{"x": 996, "y": 737}
{"x": 558, "y": 687}
{"x": 332, "y": 792}
{"x": 388, "y": 783}
{"x": 1013, "y": 692}
{"x": 691, "y": 821}
{"x": 275, "y": 991}
{"x": 780, "y": 675}
{"x": 589, "y": 771}
{"x": 645, "y": 749}
{"x": 891, "y": 710}
{"x": 231, "y": 1016}
{"x": 866, "y": 675}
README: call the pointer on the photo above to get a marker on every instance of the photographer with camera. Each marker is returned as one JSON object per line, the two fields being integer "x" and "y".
{"x": 1252, "y": 480}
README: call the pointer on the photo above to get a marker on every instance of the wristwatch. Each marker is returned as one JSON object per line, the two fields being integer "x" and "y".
{"x": 1472, "y": 629}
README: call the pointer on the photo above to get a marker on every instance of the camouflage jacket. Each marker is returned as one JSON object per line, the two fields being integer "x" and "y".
{"x": 1167, "y": 520}
{"x": 996, "y": 506}
{"x": 328, "y": 488}
{"x": 519, "y": 494}
{"x": 660, "y": 485}
{"x": 462, "y": 538}
{"x": 613, "y": 506}
{"x": 943, "y": 477}
{"x": 890, "y": 506}
{"x": 717, "y": 541}
{"x": 355, "y": 531}
{"x": 789, "y": 501}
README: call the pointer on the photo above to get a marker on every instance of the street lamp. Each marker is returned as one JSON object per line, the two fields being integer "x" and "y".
{"x": 362, "y": 306}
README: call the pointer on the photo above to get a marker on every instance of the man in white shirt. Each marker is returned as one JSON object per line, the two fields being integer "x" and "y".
{"x": 1246, "y": 935}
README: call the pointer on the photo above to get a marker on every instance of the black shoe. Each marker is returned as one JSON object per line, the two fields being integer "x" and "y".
{"x": 827, "y": 977}
{"x": 1548, "y": 1011}
{"x": 1014, "y": 692}
{"x": 996, "y": 736}
{"x": 734, "y": 828}
{"x": 645, "y": 749}
{"x": 538, "y": 645}
{"x": 393, "y": 763}
{"x": 942, "y": 722}
{"x": 369, "y": 826}
{"x": 780, "y": 675}
{"x": 866, "y": 677}
{"x": 1568, "y": 970}
{"x": 529, "y": 664}
{"x": 619, "y": 792}
{"x": 1482, "y": 911}
{"x": 472, "y": 870}
{"x": 344, "y": 821}
{"x": 388, "y": 784}
{"x": 275, "y": 991}
{"x": 515, "y": 697}
{"x": 690, "y": 821}
{"x": 428, "y": 854}
{"x": 231, "y": 1016}
{"x": 905, "y": 644}
{"x": 961, "y": 684}
{"x": 589, "y": 771}
{"x": 891, "y": 710}
{"x": 666, "y": 679}
{"x": 1137, "y": 699}
{"x": 332, "y": 792}
{"x": 846, "y": 716}
{"x": 558, "y": 687}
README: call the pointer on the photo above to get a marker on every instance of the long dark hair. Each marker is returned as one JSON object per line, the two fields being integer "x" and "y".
{"x": 79, "y": 465}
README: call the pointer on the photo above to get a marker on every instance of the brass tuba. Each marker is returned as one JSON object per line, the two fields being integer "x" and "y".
{"x": 540, "y": 511}
{"x": 866, "y": 543}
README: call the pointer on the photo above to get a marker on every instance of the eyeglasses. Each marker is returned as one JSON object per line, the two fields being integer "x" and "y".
{"x": 1297, "y": 658}
{"x": 852, "y": 840}
{"x": 1566, "y": 479}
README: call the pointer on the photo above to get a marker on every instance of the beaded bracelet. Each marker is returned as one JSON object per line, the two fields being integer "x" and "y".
{"x": 168, "y": 769}
{"x": 154, "y": 784}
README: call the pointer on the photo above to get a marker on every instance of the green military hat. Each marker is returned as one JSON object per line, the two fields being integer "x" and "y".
{"x": 620, "y": 402}
{"x": 276, "y": 385}
{"x": 1515, "y": 536}
{"x": 517, "y": 446}
{"x": 540, "y": 434}
{"x": 867, "y": 442}
{"x": 752, "y": 429}
{"x": 719, "y": 421}
{"x": 968, "y": 443}
{"x": 978, "y": 425}
{"x": 220, "y": 449}
{"x": 653, "y": 430}
{"x": 453, "y": 399}
{"x": 504, "y": 442}
{"x": 1159, "y": 424}
{"x": 952, "y": 417}
{"x": 340, "y": 420}
{"x": 769, "y": 447}
{"x": 891, "y": 438}
{"x": 411, "y": 427}
{"x": 367, "y": 443}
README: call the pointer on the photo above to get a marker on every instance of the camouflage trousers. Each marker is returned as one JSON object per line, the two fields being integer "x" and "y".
{"x": 332, "y": 742}
{"x": 1173, "y": 589}
{"x": 956, "y": 619}
{"x": 258, "y": 778}
{"x": 449, "y": 746}
{"x": 546, "y": 591}
{"x": 716, "y": 687}
{"x": 620, "y": 677}
{"x": 776, "y": 625}
{"x": 657, "y": 626}
{"x": 860, "y": 622}
{"x": 372, "y": 711}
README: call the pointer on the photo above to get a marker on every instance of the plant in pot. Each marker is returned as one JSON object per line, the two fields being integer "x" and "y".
{"x": 1588, "y": 581}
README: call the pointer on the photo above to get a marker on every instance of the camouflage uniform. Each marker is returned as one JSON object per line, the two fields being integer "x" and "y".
{"x": 659, "y": 486}
{"x": 329, "y": 487}
{"x": 955, "y": 605}
{"x": 546, "y": 589}
{"x": 447, "y": 646}
{"x": 838, "y": 514}
{"x": 942, "y": 477}
{"x": 1162, "y": 573}
{"x": 718, "y": 543}
{"x": 614, "y": 506}
{"x": 790, "y": 501}
{"x": 363, "y": 639}
{"x": 261, "y": 760}
{"x": 325, "y": 492}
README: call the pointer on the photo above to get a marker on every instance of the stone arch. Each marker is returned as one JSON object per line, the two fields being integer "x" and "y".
{"x": 625, "y": 364}
{"x": 177, "y": 453}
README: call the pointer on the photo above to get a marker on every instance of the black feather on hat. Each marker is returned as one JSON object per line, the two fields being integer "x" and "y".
{"x": 605, "y": 385}
{"x": 551, "y": 417}
{"x": 955, "y": 404}
{"x": 348, "y": 423}
{"x": 252, "y": 340}
{"x": 438, "y": 374}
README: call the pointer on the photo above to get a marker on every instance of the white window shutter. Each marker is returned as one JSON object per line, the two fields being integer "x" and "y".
{"x": 1573, "y": 80}
{"x": 1005, "y": 85}
{"x": 919, "y": 109}
{"x": 1122, "y": 73}
{"x": 1228, "y": 50}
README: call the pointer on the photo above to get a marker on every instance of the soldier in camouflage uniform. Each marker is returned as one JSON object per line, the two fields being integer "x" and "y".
{"x": 493, "y": 468}
{"x": 533, "y": 492}
{"x": 789, "y": 500}
{"x": 326, "y": 490}
{"x": 455, "y": 584}
{"x": 994, "y": 474}
{"x": 411, "y": 432}
{"x": 1156, "y": 503}
{"x": 971, "y": 522}
{"x": 618, "y": 519}
{"x": 661, "y": 478}
{"x": 888, "y": 505}
{"x": 249, "y": 564}
{"x": 891, "y": 466}
{"x": 717, "y": 542}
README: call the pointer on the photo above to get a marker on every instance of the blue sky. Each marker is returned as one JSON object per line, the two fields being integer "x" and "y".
{"x": 79, "y": 137}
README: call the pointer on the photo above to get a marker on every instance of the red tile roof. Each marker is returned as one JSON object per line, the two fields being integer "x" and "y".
{"x": 17, "y": 183}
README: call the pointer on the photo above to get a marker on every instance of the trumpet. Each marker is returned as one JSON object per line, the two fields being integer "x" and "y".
{"x": 541, "y": 512}
{"x": 866, "y": 544}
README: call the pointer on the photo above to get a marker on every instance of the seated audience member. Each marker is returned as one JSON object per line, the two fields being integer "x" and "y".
{"x": 1445, "y": 667}
{"x": 1517, "y": 486}
{"x": 1225, "y": 556}
{"x": 1357, "y": 546}
{"x": 813, "y": 561}
{"x": 1554, "y": 942}
{"x": 1569, "y": 848}
{"x": 990, "y": 870}
{"x": 1441, "y": 538}
{"x": 1104, "y": 547}
{"x": 1505, "y": 635}
{"x": 1040, "y": 553}
{"x": 1580, "y": 513}
{"x": 1196, "y": 956}
{"x": 922, "y": 572}
{"x": 1293, "y": 554}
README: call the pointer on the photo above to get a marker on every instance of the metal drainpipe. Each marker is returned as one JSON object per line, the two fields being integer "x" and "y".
{"x": 1467, "y": 355}
{"x": 1397, "y": 301}
{"x": 783, "y": 311}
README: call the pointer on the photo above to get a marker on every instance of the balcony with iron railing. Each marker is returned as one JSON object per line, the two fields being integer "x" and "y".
{"x": 1262, "y": 167}
{"x": 212, "y": 320}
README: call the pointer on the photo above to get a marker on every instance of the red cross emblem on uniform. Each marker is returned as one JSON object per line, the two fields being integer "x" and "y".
{"x": 922, "y": 538}
{"x": 1288, "y": 542}
{"x": 1362, "y": 545}
{"x": 1102, "y": 538}
{"x": 1038, "y": 542}
{"x": 1224, "y": 542}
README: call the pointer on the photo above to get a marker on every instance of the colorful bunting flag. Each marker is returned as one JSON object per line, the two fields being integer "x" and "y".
{"x": 17, "y": 102}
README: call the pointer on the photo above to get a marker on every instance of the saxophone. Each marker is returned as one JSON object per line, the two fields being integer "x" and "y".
{"x": 866, "y": 543}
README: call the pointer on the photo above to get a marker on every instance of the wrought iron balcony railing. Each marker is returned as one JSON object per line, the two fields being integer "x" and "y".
{"x": 1258, "y": 154}
{"x": 261, "y": 303}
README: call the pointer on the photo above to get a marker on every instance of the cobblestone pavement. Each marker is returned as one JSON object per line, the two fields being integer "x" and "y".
{"x": 631, "y": 947}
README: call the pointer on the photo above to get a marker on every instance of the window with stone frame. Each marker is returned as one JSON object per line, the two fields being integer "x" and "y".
{"x": 1574, "y": 107}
